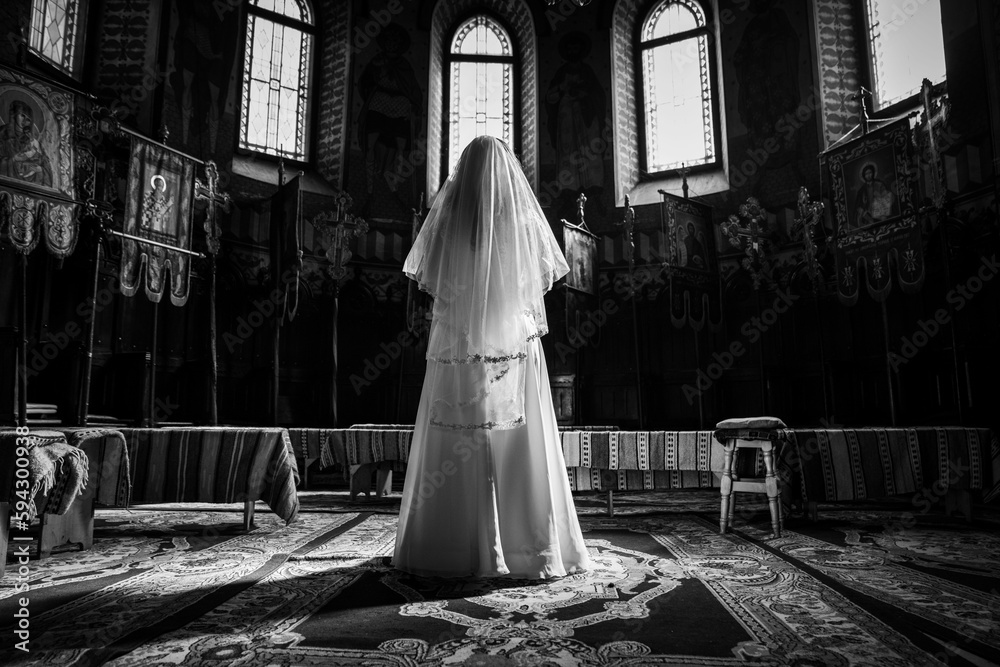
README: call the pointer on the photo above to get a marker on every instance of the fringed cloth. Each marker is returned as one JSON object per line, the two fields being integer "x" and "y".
{"x": 57, "y": 473}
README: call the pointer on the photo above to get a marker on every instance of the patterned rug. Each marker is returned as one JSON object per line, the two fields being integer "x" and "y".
{"x": 173, "y": 586}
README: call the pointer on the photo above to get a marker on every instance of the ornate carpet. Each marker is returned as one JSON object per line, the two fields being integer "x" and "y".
{"x": 862, "y": 586}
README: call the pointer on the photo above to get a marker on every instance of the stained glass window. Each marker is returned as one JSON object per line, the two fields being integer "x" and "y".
{"x": 898, "y": 67}
{"x": 481, "y": 85}
{"x": 276, "y": 78}
{"x": 677, "y": 90}
{"x": 54, "y": 30}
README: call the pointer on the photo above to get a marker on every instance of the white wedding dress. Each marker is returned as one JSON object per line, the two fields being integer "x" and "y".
{"x": 486, "y": 491}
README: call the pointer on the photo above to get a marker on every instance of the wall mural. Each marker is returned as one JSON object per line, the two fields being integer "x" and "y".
{"x": 575, "y": 114}
{"x": 127, "y": 77}
{"x": 200, "y": 105}
{"x": 388, "y": 118}
{"x": 772, "y": 127}
{"x": 838, "y": 61}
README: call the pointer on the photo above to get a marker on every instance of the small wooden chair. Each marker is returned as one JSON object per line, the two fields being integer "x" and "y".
{"x": 762, "y": 433}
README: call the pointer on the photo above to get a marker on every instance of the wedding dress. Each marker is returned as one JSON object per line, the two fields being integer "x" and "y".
{"x": 486, "y": 490}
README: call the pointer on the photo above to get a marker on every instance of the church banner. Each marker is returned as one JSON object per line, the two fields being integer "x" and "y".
{"x": 158, "y": 208}
{"x": 37, "y": 186}
{"x": 875, "y": 216}
{"x": 689, "y": 260}
{"x": 582, "y": 288}
{"x": 286, "y": 244}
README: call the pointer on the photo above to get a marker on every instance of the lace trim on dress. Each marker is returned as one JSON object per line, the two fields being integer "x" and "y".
{"x": 479, "y": 359}
{"x": 487, "y": 359}
{"x": 485, "y": 426}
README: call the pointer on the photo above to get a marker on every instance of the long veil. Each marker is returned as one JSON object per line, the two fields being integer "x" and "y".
{"x": 487, "y": 255}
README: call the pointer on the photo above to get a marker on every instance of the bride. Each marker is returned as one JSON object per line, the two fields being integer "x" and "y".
{"x": 486, "y": 491}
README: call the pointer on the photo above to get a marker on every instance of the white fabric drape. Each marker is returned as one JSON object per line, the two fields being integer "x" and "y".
{"x": 486, "y": 491}
{"x": 487, "y": 256}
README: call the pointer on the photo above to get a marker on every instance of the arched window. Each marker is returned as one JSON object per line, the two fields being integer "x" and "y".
{"x": 898, "y": 67}
{"x": 481, "y": 94}
{"x": 276, "y": 78}
{"x": 677, "y": 87}
{"x": 55, "y": 29}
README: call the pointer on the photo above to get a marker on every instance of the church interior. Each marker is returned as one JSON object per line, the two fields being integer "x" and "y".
{"x": 780, "y": 220}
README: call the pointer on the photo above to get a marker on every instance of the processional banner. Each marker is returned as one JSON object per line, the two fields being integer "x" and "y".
{"x": 37, "y": 186}
{"x": 286, "y": 244}
{"x": 689, "y": 260}
{"x": 582, "y": 286}
{"x": 874, "y": 184}
{"x": 158, "y": 208}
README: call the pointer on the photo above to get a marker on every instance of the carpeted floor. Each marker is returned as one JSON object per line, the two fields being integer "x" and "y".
{"x": 183, "y": 585}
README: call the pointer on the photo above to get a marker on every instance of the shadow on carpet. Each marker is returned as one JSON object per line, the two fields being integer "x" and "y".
{"x": 862, "y": 586}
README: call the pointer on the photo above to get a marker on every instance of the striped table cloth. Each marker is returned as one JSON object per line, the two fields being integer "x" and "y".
{"x": 816, "y": 464}
{"x": 214, "y": 465}
{"x": 855, "y": 464}
{"x": 310, "y": 444}
{"x": 595, "y": 460}
{"x": 636, "y": 460}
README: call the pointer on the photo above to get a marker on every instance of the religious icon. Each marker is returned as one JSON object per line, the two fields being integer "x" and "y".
{"x": 691, "y": 246}
{"x": 873, "y": 190}
{"x": 581, "y": 256}
{"x": 37, "y": 160}
{"x": 689, "y": 226}
{"x": 23, "y": 151}
{"x": 872, "y": 185}
{"x": 874, "y": 198}
{"x": 156, "y": 204}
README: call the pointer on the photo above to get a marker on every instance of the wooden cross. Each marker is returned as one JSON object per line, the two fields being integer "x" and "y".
{"x": 209, "y": 193}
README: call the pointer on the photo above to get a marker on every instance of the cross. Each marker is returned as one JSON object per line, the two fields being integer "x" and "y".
{"x": 747, "y": 232}
{"x": 209, "y": 193}
{"x": 580, "y": 202}
{"x": 338, "y": 227}
{"x": 628, "y": 223}
{"x": 861, "y": 96}
{"x": 808, "y": 218}
{"x": 935, "y": 118}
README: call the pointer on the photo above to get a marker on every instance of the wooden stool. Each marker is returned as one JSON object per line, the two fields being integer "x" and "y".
{"x": 752, "y": 434}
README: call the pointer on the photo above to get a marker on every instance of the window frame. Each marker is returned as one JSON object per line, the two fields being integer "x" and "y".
{"x": 447, "y": 58}
{"x": 640, "y": 90}
{"x": 868, "y": 70}
{"x": 81, "y": 30}
{"x": 309, "y": 116}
